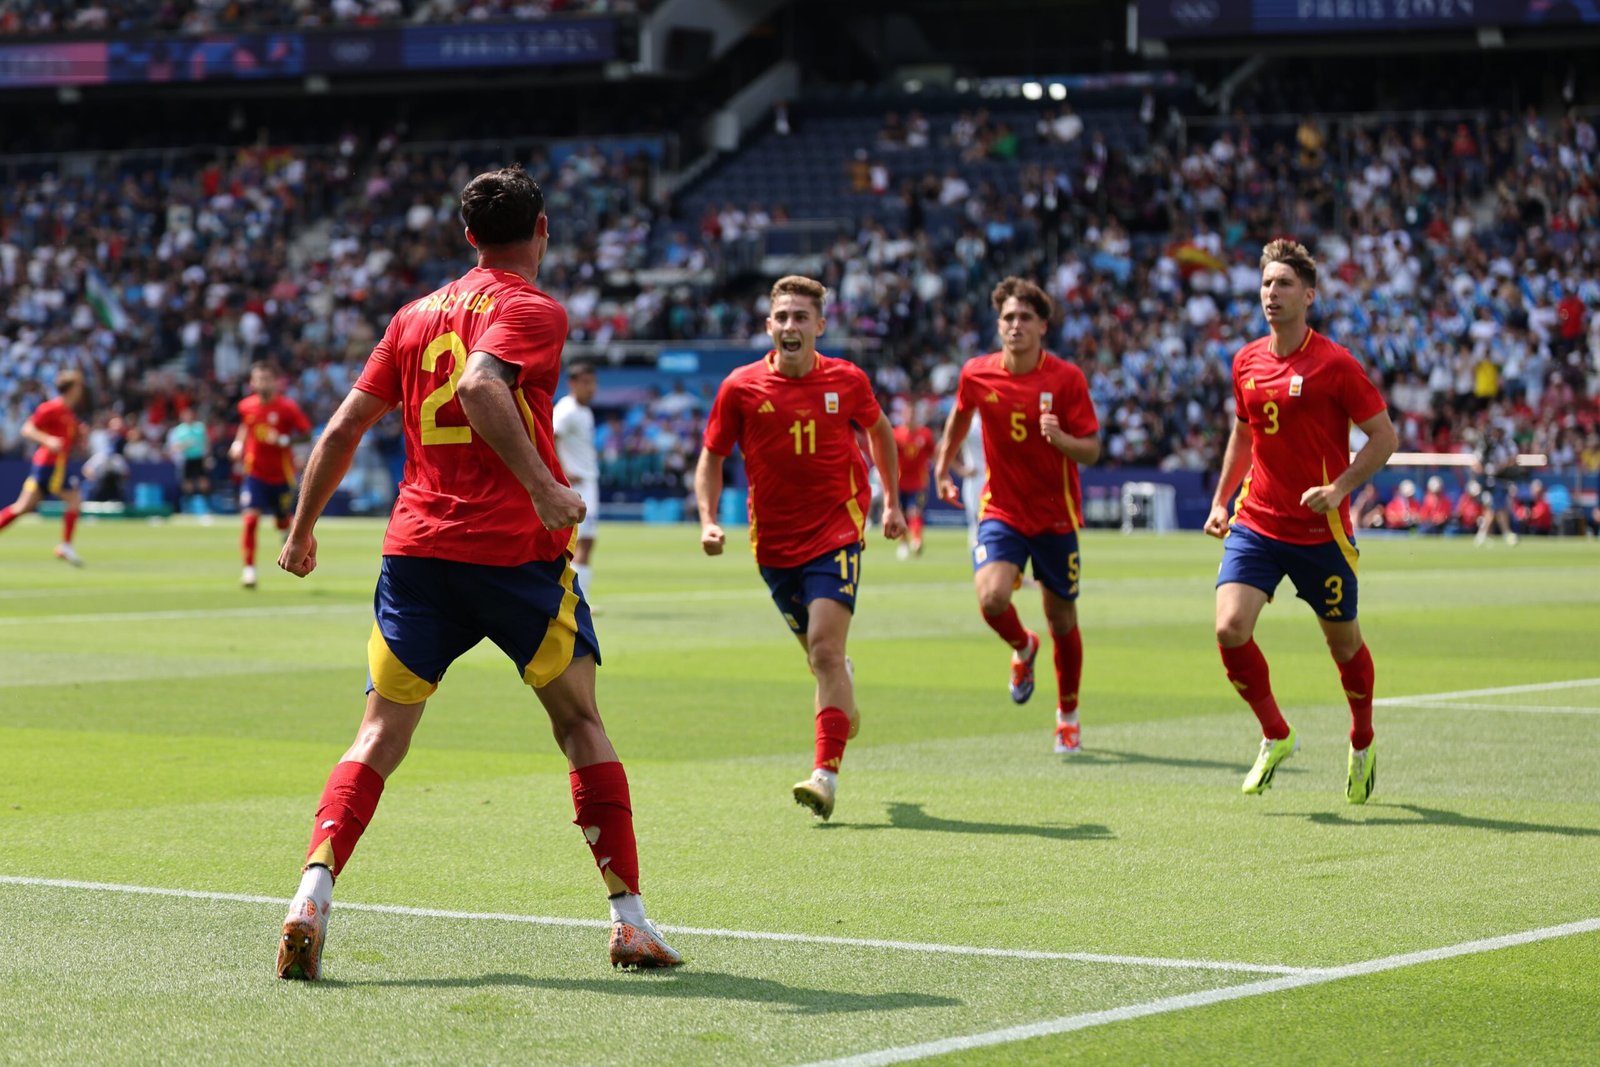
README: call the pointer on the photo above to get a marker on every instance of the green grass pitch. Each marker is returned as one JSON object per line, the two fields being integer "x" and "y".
{"x": 976, "y": 899}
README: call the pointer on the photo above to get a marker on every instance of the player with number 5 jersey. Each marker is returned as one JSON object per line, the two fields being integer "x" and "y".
{"x": 1296, "y": 394}
{"x": 1038, "y": 425}
{"x": 795, "y": 415}
{"x": 478, "y": 546}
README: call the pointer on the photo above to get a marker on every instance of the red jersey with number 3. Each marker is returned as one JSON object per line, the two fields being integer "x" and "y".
{"x": 1299, "y": 410}
{"x": 808, "y": 482}
{"x": 915, "y": 445}
{"x": 267, "y": 424}
{"x": 55, "y": 418}
{"x": 458, "y": 499}
{"x": 1030, "y": 487}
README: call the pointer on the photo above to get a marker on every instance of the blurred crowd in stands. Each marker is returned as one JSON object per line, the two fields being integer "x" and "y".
{"x": 1460, "y": 260}
{"x": 54, "y": 18}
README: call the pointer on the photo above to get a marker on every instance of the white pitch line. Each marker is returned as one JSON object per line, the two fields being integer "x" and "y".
{"x": 196, "y": 613}
{"x": 1183, "y": 1002}
{"x": 691, "y": 931}
{"x": 1536, "y": 687}
{"x": 1536, "y": 709}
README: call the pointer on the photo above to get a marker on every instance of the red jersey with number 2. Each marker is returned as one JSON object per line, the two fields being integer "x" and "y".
{"x": 1030, "y": 487}
{"x": 1299, "y": 409}
{"x": 808, "y": 482}
{"x": 458, "y": 499}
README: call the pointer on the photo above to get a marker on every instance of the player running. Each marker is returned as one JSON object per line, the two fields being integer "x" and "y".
{"x": 1038, "y": 426}
{"x": 794, "y": 415}
{"x": 269, "y": 425}
{"x": 55, "y": 429}
{"x": 913, "y": 443}
{"x": 478, "y": 546}
{"x": 580, "y": 462}
{"x": 1296, "y": 393}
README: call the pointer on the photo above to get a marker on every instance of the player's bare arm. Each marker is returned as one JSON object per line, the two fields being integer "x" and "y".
{"x": 955, "y": 433}
{"x": 880, "y": 442}
{"x": 1081, "y": 450}
{"x": 707, "y": 495}
{"x": 329, "y": 463}
{"x": 1381, "y": 443}
{"x": 491, "y": 409}
{"x": 1235, "y": 461}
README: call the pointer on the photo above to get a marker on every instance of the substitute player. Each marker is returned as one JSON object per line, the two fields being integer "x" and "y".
{"x": 913, "y": 443}
{"x": 1038, "y": 426}
{"x": 794, "y": 416}
{"x": 269, "y": 425}
{"x": 1296, "y": 393}
{"x": 55, "y": 429}
{"x": 574, "y": 427}
{"x": 477, "y": 546}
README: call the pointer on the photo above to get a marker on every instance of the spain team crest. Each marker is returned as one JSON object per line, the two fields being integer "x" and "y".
{"x": 831, "y": 402}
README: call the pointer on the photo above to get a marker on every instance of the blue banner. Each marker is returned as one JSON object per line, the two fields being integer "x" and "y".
{"x": 1178, "y": 19}
{"x": 519, "y": 44}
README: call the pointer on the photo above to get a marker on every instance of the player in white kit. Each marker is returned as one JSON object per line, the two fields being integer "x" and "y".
{"x": 574, "y": 427}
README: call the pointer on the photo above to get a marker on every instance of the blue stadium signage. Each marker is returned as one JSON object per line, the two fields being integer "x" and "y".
{"x": 1176, "y": 19}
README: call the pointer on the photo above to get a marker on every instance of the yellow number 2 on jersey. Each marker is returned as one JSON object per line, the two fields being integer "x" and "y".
{"x": 432, "y": 432}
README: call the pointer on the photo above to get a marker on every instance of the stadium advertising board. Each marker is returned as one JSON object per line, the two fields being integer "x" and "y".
{"x": 1176, "y": 19}
{"x": 218, "y": 57}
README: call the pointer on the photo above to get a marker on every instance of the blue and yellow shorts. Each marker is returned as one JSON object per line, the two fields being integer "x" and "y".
{"x": 834, "y": 575}
{"x": 1324, "y": 575}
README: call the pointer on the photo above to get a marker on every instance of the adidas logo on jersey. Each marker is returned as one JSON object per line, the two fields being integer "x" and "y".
{"x": 1250, "y": 383}
{"x": 766, "y": 408}
{"x": 992, "y": 398}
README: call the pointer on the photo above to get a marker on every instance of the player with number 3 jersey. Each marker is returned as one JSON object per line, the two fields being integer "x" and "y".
{"x": 794, "y": 415}
{"x": 1296, "y": 394}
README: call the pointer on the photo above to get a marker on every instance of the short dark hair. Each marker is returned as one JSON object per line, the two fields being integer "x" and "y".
{"x": 1025, "y": 291}
{"x": 580, "y": 368}
{"x": 1291, "y": 252}
{"x": 800, "y": 285}
{"x": 67, "y": 379}
{"x": 502, "y": 207}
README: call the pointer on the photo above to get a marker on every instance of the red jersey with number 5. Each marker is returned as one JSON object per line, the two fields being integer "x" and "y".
{"x": 268, "y": 426}
{"x": 1299, "y": 409}
{"x": 808, "y": 482}
{"x": 458, "y": 499}
{"x": 1030, "y": 487}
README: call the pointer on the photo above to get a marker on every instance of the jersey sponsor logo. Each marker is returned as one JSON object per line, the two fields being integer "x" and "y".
{"x": 831, "y": 402}
{"x": 1046, "y": 400}
{"x": 1296, "y": 384}
{"x": 766, "y": 408}
{"x": 1250, "y": 383}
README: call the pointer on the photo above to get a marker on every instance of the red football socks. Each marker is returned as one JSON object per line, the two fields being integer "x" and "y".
{"x": 8, "y": 515}
{"x": 1009, "y": 627}
{"x": 1356, "y": 675}
{"x": 833, "y": 727}
{"x": 914, "y": 525}
{"x": 605, "y": 815}
{"x": 1069, "y": 667}
{"x": 348, "y": 802}
{"x": 247, "y": 541}
{"x": 69, "y": 522}
{"x": 1247, "y": 670}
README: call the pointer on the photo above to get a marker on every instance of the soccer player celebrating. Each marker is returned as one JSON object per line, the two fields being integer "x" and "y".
{"x": 1296, "y": 393}
{"x": 269, "y": 424}
{"x": 1038, "y": 426}
{"x": 477, "y": 547}
{"x": 793, "y": 415}
{"x": 574, "y": 428}
{"x": 914, "y": 452}
{"x": 55, "y": 429}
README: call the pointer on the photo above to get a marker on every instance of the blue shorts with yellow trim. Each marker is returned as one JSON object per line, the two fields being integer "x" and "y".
{"x": 1324, "y": 575}
{"x": 834, "y": 575}
{"x": 914, "y": 500}
{"x": 431, "y": 611}
{"x": 52, "y": 479}
{"x": 1056, "y": 562}
{"x": 257, "y": 495}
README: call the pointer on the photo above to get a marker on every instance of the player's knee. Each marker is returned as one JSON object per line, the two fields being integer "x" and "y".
{"x": 993, "y": 601}
{"x": 1232, "y": 632}
{"x": 825, "y": 655}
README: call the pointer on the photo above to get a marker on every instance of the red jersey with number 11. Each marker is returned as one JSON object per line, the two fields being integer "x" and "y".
{"x": 1031, "y": 487}
{"x": 808, "y": 482}
{"x": 458, "y": 500}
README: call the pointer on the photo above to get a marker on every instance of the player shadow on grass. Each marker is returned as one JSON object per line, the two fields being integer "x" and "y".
{"x": 912, "y": 817}
{"x": 1112, "y": 757}
{"x": 1440, "y": 817}
{"x": 691, "y": 984}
